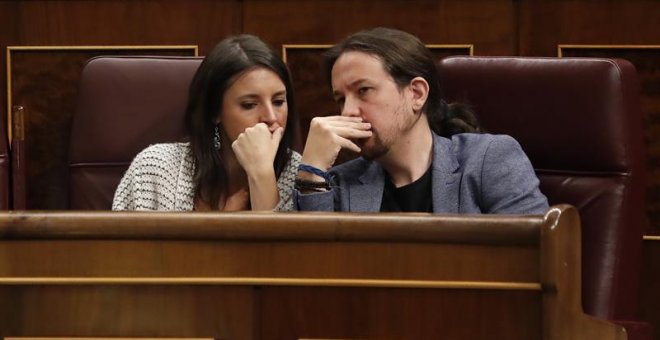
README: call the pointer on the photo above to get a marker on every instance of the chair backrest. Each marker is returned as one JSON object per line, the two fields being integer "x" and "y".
{"x": 124, "y": 105}
{"x": 579, "y": 120}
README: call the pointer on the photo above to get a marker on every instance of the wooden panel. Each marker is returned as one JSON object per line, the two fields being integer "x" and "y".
{"x": 43, "y": 81}
{"x": 464, "y": 248}
{"x": 647, "y": 62}
{"x": 127, "y": 311}
{"x": 356, "y": 260}
{"x": 650, "y": 287}
{"x": 358, "y": 313}
{"x": 487, "y": 24}
{"x": 252, "y": 276}
{"x": 546, "y": 24}
{"x": 108, "y": 22}
{"x": 195, "y": 274}
{"x": 8, "y": 36}
{"x": 118, "y": 22}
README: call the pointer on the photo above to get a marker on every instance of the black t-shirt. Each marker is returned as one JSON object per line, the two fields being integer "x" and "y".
{"x": 413, "y": 197}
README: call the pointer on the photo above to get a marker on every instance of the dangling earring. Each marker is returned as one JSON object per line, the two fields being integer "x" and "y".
{"x": 216, "y": 138}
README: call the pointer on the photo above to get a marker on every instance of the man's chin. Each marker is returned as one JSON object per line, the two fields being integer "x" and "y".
{"x": 373, "y": 153}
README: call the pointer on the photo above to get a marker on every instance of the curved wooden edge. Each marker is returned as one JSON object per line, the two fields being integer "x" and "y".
{"x": 561, "y": 282}
{"x": 476, "y": 229}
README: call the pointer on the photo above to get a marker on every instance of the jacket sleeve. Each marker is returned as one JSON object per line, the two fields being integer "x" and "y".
{"x": 319, "y": 201}
{"x": 509, "y": 183}
{"x": 139, "y": 188}
{"x": 126, "y": 191}
{"x": 285, "y": 184}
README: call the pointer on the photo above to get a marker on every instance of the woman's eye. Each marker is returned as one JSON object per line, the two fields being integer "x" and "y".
{"x": 340, "y": 101}
{"x": 279, "y": 102}
{"x": 248, "y": 106}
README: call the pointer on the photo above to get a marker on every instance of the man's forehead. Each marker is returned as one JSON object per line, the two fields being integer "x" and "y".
{"x": 358, "y": 59}
{"x": 354, "y": 67}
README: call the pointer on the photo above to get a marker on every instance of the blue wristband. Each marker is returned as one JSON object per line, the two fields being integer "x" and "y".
{"x": 314, "y": 170}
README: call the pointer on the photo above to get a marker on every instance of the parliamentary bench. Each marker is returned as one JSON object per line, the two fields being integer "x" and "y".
{"x": 294, "y": 276}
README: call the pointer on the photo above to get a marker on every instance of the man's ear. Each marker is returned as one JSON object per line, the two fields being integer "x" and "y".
{"x": 419, "y": 88}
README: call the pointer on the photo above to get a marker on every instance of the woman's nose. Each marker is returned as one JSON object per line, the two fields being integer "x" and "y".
{"x": 269, "y": 115}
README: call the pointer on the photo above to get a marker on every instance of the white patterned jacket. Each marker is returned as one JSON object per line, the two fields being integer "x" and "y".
{"x": 161, "y": 178}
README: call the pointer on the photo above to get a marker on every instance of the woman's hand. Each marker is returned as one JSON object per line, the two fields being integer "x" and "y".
{"x": 328, "y": 135}
{"x": 256, "y": 147}
{"x": 255, "y": 150}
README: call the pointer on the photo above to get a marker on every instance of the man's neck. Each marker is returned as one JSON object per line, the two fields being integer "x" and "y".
{"x": 410, "y": 156}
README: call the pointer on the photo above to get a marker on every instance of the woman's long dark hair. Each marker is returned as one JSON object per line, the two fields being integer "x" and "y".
{"x": 405, "y": 57}
{"x": 215, "y": 75}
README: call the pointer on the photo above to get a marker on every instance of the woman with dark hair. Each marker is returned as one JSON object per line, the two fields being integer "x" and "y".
{"x": 240, "y": 120}
{"x": 418, "y": 153}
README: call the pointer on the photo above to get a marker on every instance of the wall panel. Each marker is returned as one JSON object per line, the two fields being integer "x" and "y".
{"x": 546, "y": 24}
{"x": 106, "y": 23}
{"x": 489, "y": 25}
{"x": 650, "y": 287}
{"x": 114, "y": 22}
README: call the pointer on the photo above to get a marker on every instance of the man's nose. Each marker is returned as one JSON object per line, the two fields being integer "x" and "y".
{"x": 350, "y": 108}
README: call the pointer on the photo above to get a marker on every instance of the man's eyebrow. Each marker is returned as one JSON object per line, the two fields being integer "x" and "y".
{"x": 358, "y": 82}
{"x": 352, "y": 84}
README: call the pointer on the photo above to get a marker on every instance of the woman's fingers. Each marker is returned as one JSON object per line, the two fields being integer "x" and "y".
{"x": 277, "y": 137}
{"x": 256, "y": 147}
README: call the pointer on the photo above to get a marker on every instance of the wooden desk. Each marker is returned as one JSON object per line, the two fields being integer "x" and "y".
{"x": 291, "y": 276}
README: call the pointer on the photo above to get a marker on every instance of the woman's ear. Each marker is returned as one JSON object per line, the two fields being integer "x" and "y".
{"x": 419, "y": 88}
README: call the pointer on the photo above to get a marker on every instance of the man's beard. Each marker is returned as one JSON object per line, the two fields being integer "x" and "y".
{"x": 375, "y": 150}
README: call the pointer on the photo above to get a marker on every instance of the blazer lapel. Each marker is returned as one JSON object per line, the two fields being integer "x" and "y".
{"x": 367, "y": 194}
{"x": 445, "y": 177}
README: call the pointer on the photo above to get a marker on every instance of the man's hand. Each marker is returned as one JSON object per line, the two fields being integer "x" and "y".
{"x": 328, "y": 135}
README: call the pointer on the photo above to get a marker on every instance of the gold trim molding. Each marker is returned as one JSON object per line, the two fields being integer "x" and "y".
{"x": 232, "y": 281}
{"x": 651, "y": 237}
{"x": 10, "y": 49}
{"x": 286, "y": 47}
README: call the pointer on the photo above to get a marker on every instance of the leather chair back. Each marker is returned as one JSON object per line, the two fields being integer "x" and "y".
{"x": 124, "y": 105}
{"x": 579, "y": 121}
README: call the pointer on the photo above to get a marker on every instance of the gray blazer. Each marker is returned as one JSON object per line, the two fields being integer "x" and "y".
{"x": 472, "y": 174}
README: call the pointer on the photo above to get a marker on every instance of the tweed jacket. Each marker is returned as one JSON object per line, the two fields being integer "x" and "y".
{"x": 161, "y": 178}
{"x": 471, "y": 174}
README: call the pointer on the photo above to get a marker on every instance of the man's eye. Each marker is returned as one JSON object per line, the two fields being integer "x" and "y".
{"x": 363, "y": 90}
{"x": 248, "y": 106}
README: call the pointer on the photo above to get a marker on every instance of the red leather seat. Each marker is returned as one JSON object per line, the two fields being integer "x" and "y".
{"x": 124, "y": 105}
{"x": 579, "y": 121}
